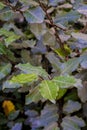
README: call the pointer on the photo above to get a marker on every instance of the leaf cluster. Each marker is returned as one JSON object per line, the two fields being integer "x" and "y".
{"x": 43, "y": 64}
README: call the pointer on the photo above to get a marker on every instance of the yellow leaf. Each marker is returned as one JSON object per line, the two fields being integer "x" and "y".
{"x": 63, "y": 53}
{"x": 8, "y": 107}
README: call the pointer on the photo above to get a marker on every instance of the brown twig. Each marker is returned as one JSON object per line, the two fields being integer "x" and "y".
{"x": 7, "y": 3}
{"x": 52, "y": 24}
{"x": 60, "y": 112}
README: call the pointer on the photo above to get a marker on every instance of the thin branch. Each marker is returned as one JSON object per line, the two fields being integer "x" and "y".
{"x": 7, "y": 3}
{"x": 60, "y": 112}
{"x": 52, "y": 24}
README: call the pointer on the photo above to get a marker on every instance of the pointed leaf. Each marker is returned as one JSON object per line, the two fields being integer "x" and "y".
{"x": 5, "y": 70}
{"x": 1, "y": 5}
{"x": 7, "y": 84}
{"x": 71, "y": 16}
{"x": 61, "y": 93}
{"x": 64, "y": 81}
{"x": 38, "y": 29}
{"x": 17, "y": 126}
{"x": 72, "y": 123}
{"x": 71, "y": 106}
{"x": 49, "y": 90}
{"x": 6, "y": 15}
{"x": 34, "y": 15}
{"x": 24, "y": 78}
{"x": 80, "y": 36}
{"x": 33, "y": 96}
{"x": 29, "y": 69}
{"x": 48, "y": 116}
{"x": 70, "y": 66}
{"x": 83, "y": 10}
{"x": 52, "y": 126}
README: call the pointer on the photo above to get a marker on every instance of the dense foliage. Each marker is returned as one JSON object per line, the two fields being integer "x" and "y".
{"x": 43, "y": 64}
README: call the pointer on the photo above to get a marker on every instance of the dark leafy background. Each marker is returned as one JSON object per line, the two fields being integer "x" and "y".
{"x": 43, "y": 64}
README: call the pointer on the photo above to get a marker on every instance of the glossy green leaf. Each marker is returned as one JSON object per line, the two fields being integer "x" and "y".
{"x": 64, "y": 81}
{"x": 71, "y": 106}
{"x": 72, "y": 123}
{"x": 2, "y": 49}
{"x": 10, "y": 85}
{"x": 38, "y": 29}
{"x": 29, "y": 69}
{"x": 69, "y": 17}
{"x": 17, "y": 126}
{"x": 1, "y": 5}
{"x": 9, "y": 36}
{"x": 54, "y": 61}
{"x": 6, "y": 15}
{"x": 29, "y": 2}
{"x": 63, "y": 53}
{"x": 33, "y": 96}
{"x": 7, "y": 52}
{"x": 34, "y": 15}
{"x": 61, "y": 93}
{"x": 53, "y": 2}
{"x": 70, "y": 66}
{"x": 24, "y": 78}
{"x": 48, "y": 116}
{"x": 13, "y": 115}
{"x": 49, "y": 90}
{"x": 80, "y": 36}
{"x": 11, "y": 39}
{"x": 49, "y": 39}
{"x": 52, "y": 126}
{"x": 5, "y": 70}
{"x": 83, "y": 10}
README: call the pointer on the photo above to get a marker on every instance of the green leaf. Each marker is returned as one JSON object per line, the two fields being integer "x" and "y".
{"x": 29, "y": 69}
{"x": 71, "y": 106}
{"x": 65, "y": 81}
{"x": 6, "y": 15}
{"x": 2, "y": 49}
{"x": 71, "y": 96}
{"x": 5, "y": 32}
{"x": 53, "y": 2}
{"x": 1, "y": 5}
{"x": 10, "y": 85}
{"x": 54, "y": 61}
{"x": 49, "y": 38}
{"x": 29, "y": 2}
{"x": 61, "y": 93}
{"x": 72, "y": 123}
{"x": 10, "y": 36}
{"x": 48, "y": 116}
{"x": 11, "y": 39}
{"x": 80, "y": 36}
{"x": 24, "y": 78}
{"x": 69, "y": 17}
{"x": 5, "y": 70}
{"x": 63, "y": 53}
{"x": 49, "y": 90}
{"x": 38, "y": 29}
{"x": 13, "y": 115}
{"x": 70, "y": 66}
{"x": 83, "y": 10}
{"x": 34, "y": 15}
{"x": 17, "y": 126}
{"x": 52, "y": 126}
{"x": 33, "y": 96}
{"x": 5, "y": 51}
